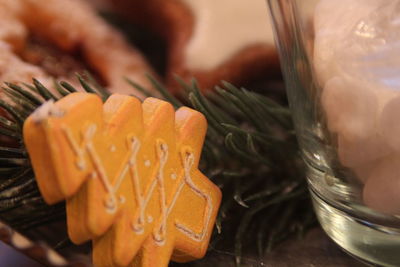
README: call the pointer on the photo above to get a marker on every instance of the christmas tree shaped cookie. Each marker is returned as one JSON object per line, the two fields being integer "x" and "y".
{"x": 129, "y": 174}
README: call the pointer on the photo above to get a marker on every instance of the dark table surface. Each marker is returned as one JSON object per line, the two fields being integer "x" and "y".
{"x": 315, "y": 250}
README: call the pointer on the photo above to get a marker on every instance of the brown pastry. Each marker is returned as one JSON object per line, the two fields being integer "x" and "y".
{"x": 210, "y": 40}
{"x": 56, "y": 38}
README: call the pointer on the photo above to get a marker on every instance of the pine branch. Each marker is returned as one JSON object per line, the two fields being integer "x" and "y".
{"x": 250, "y": 152}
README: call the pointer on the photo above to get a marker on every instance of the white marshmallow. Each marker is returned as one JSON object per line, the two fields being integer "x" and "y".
{"x": 335, "y": 23}
{"x": 351, "y": 110}
{"x": 362, "y": 152}
{"x": 357, "y": 63}
{"x": 381, "y": 190}
{"x": 389, "y": 123}
{"x": 362, "y": 172}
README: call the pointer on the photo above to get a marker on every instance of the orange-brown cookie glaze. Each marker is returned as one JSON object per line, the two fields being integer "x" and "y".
{"x": 129, "y": 174}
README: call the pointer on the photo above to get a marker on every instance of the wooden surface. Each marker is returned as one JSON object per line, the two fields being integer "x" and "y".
{"x": 315, "y": 250}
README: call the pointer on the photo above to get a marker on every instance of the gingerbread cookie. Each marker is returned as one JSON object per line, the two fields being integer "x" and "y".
{"x": 40, "y": 39}
{"x": 129, "y": 172}
{"x": 210, "y": 40}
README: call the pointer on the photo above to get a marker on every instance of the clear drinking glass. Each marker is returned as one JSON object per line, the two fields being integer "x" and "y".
{"x": 341, "y": 63}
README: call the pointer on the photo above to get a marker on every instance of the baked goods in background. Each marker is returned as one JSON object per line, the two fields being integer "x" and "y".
{"x": 53, "y": 39}
{"x": 209, "y": 40}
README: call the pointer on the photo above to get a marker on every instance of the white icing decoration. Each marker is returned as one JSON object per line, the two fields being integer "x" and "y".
{"x": 80, "y": 165}
{"x": 160, "y": 233}
{"x": 223, "y": 28}
{"x": 111, "y": 202}
{"x": 188, "y": 163}
{"x": 138, "y": 226}
{"x": 138, "y": 229}
{"x": 147, "y": 163}
{"x": 113, "y": 148}
{"x": 93, "y": 175}
{"x": 46, "y": 110}
{"x": 142, "y": 200}
{"x": 80, "y": 162}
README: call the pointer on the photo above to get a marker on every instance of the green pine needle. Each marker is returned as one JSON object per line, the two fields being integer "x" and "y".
{"x": 250, "y": 152}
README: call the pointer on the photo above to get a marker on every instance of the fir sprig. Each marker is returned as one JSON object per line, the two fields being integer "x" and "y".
{"x": 250, "y": 152}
